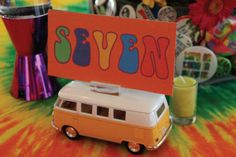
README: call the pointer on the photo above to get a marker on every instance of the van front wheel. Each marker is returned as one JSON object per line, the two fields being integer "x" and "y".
{"x": 70, "y": 132}
{"x": 135, "y": 148}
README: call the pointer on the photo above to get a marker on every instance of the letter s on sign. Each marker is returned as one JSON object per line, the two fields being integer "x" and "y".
{"x": 62, "y": 47}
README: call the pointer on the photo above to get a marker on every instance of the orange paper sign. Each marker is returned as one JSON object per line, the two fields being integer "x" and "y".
{"x": 129, "y": 52}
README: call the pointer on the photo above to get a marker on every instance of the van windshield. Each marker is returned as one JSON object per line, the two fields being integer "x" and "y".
{"x": 160, "y": 110}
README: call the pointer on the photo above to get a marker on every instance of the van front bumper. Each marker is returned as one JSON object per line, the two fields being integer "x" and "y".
{"x": 159, "y": 143}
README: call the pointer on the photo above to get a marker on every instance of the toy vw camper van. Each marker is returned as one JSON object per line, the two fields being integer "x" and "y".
{"x": 137, "y": 118}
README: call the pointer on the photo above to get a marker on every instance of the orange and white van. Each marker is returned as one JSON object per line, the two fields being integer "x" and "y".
{"x": 137, "y": 118}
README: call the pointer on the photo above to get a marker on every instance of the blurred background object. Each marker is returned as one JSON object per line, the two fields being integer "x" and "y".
{"x": 26, "y": 23}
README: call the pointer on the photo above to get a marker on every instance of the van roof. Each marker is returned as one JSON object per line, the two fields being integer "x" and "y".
{"x": 128, "y": 99}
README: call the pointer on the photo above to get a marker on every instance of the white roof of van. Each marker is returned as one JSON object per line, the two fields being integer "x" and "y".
{"x": 128, "y": 99}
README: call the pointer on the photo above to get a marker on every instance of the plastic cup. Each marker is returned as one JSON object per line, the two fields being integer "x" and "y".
{"x": 183, "y": 101}
{"x": 26, "y": 23}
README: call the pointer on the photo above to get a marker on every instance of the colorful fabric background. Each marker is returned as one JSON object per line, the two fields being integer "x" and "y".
{"x": 25, "y": 128}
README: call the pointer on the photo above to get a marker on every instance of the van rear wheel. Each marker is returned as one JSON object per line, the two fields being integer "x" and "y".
{"x": 70, "y": 132}
{"x": 135, "y": 148}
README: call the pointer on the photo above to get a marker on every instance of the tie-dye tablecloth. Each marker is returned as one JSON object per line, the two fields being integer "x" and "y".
{"x": 25, "y": 128}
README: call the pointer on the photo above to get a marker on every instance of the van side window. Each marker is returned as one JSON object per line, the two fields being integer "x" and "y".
{"x": 102, "y": 111}
{"x": 69, "y": 105}
{"x": 118, "y": 114}
{"x": 86, "y": 108}
{"x": 160, "y": 110}
{"x": 58, "y": 102}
